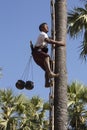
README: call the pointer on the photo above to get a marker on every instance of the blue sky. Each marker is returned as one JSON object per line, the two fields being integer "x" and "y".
{"x": 19, "y": 21}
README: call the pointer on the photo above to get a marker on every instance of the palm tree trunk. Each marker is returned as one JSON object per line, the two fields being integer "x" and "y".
{"x": 60, "y": 92}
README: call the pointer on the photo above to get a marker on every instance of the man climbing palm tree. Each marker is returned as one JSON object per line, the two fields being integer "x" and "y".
{"x": 40, "y": 52}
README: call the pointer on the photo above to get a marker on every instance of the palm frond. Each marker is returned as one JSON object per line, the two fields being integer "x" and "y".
{"x": 83, "y": 47}
{"x": 77, "y": 21}
{"x": 77, "y": 26}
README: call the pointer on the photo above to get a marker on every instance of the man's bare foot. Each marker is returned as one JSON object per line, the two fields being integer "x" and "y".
{"x": 53, "y": 75}
{"x": 49, "y": 84}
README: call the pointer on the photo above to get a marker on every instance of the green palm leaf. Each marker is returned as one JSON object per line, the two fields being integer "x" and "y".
{"x": 77, "y": 100}
{"x": 77, "y": 26}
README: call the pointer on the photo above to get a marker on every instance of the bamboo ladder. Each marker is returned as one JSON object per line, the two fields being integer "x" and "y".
{"x": 51, "y": 94}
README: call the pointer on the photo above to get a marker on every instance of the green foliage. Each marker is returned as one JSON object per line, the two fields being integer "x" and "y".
{"x": 77, "y": 102}
{"x": 21, "y": 113}
{"x": 77, "y": 25}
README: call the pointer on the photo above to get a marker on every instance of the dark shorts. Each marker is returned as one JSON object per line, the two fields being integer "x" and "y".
{"x": 39, "y": 57}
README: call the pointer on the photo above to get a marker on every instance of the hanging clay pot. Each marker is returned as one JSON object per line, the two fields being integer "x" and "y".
{"x": 20, "y": 84}
{"x": 29, "y": 85}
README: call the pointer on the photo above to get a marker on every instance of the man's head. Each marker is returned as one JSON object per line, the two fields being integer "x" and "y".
{"x": 44, "y": 27}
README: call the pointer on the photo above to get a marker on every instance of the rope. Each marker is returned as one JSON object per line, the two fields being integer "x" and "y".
{"x": 27, "y": 69}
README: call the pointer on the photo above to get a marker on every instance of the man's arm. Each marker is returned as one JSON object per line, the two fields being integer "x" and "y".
{"x": 51, "y": 41}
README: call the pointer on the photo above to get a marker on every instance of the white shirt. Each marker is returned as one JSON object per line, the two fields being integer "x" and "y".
{"x": 40, "y": 40}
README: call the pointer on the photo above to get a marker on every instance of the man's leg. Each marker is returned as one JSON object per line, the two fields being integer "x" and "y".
{"x": 48, "y": 69}
{"x": 47, "y": 83}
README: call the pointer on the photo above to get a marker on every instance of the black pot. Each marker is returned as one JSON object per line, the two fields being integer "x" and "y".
{"x": 20, "y": 84}
{"x": 29, "y": 85}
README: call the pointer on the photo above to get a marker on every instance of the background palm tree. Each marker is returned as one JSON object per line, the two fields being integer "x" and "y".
{"x": 21, "y": 113}
{"x": 77, "y": 24}
{"x": 77, "y": 103}
{"x": 35, "y": 113}
{"x": 60, "y": 89}
{"x": 11, "y": 107}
